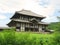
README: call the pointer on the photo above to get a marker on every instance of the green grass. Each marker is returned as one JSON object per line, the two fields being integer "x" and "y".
{"x": 28, "y": 38}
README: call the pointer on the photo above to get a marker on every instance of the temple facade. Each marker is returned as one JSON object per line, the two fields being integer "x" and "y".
{"x": 26, "y": 20}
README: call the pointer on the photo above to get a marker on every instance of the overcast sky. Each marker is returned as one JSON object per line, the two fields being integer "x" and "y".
{"x": 48, "y": 8}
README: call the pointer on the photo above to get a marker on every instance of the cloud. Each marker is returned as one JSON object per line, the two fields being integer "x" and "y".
{"x": 33, "y": 5}
{"x": 39, "y": 9}
{"x": 42, "y": 7}
{"x": 2, "y": 17}
{"x": 50, "y": 19}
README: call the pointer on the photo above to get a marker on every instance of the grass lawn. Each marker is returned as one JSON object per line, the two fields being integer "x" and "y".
{"x": 25, "y": 38}
{"x": 28, "y": 38}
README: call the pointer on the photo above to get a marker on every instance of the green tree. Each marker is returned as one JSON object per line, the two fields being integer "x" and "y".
{"x": 59, "y": 23}
{"x": 58, "y": 18}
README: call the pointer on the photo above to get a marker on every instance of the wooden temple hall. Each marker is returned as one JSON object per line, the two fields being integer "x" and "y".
{"x": 26, "y": 20}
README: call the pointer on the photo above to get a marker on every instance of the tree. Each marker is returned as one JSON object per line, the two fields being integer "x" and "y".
{"x": 58, "y": 18}
{"x": 59, "y": 23}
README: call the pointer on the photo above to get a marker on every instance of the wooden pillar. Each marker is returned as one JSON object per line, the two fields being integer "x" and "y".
{"x": 22, "y": 27}
{"x": 40, "y": 28}
{"x": 17, "y": 27}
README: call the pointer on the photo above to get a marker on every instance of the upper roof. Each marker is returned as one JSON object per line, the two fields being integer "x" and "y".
{"x": 29, "y": 13}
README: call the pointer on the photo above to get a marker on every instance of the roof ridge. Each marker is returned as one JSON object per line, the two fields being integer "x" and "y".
{"x": 29, "y": 12}
{"x": 23, "y": 10}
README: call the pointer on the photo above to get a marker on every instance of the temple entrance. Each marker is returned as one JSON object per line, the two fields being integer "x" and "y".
{"x": 32, "y": 29}
{"x": 33, "y": 26}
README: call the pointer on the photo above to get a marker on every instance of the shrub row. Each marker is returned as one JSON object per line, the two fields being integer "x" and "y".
{"x": 21, "y": 38}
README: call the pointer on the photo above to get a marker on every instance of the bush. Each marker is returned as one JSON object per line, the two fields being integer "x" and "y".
{"x": 24, "y": 38}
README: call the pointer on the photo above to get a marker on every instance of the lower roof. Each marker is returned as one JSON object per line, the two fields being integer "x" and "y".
{"x": 30, "y": 22}
{"x": 13, "y": 22}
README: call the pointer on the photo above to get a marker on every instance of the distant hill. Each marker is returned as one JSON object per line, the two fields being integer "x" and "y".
{"x": 54, "y": 26}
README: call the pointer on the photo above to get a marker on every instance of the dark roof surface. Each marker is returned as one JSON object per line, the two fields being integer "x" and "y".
{"x": 17, "y": 20}
{"x": 29, "y": 13}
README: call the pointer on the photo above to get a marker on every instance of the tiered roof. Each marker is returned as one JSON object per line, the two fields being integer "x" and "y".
{"x": 17, "y": 14}
{"x": 27, "y": 13}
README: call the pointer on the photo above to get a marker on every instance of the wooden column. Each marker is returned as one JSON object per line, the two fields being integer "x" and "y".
{"x": 40, "y": 28}
{"x": 22, "y": 27}
{"x": 17, "y": 27}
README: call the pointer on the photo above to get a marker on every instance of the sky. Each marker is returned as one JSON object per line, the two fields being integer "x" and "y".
{"x": 48, "y": 8}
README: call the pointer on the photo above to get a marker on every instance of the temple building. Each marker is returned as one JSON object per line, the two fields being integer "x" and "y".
{"x": 26, "y": 20}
